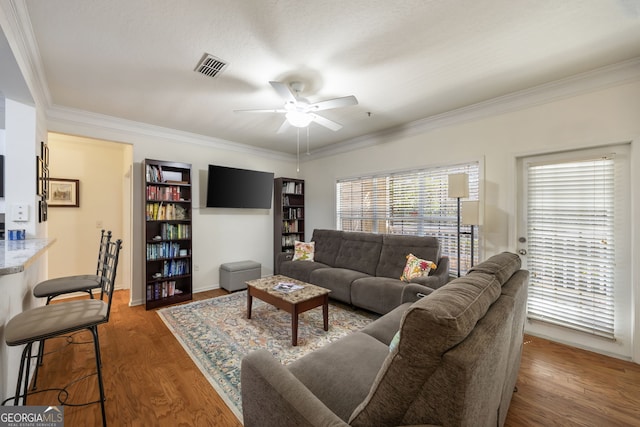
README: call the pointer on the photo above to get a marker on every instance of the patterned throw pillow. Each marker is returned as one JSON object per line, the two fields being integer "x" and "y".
{"x": 303, "y": 251}
{"x": 416, "y": 267}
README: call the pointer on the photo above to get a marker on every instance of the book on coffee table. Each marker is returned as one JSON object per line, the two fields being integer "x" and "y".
{"x": 287, "y": 287}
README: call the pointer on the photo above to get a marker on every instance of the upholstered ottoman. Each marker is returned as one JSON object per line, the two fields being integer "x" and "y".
{"x": 233, "y": 275}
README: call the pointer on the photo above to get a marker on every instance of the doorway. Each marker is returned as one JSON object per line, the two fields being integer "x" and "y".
{"x": 573, "y": 236}
{"x": 103, "y": 171}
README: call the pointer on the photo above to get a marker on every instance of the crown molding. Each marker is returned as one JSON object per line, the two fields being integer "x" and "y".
{"x": 72, "y": 121}
{"x": 25, "y": 50}
{"x": 601, "y": 78}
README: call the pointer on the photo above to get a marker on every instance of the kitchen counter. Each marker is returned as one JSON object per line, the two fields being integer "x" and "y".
{"x": 17, "y": 255}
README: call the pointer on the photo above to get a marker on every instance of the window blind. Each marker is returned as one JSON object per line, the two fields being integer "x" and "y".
{"x": 571, "y": 259}
{"x": 412, "y": 202}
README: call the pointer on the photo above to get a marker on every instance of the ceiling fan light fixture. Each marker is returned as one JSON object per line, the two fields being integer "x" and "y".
{"x": 299, "y": 119}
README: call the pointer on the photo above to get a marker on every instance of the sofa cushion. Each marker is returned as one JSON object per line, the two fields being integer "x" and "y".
{"x": 327, "y": 245}
{"x": 303, "y": 251}
{"x": 395, "y": 249}
{"x": 338, "y": 280}
{"x": 340, "y": 374}
{"x": 416, "y": 267}
{"x": 502, "y": 265}
{"x": 360, "y": 252}
{"x": 431, "y": 326}
{"x": 299, "y": 269}
{"x": 378, "y": 294}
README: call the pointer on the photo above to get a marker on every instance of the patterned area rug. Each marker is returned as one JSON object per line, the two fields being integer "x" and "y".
{"x": 217, "y": 335}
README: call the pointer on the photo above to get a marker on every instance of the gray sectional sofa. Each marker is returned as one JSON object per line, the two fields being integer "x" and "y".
{"x": 364, "y": 269}
{"x": 456, "y": 362}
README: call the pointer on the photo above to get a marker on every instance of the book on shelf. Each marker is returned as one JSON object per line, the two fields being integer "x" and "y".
{"x": 154, "y": 173}
{"x": 292, "y": 187}
{"x": 161, "y": 290}
{"x": 163, "y": 250}
{"x": 287, "y": 287}
{"x": 171, "y": 193}
{"x": 161, "y": 211}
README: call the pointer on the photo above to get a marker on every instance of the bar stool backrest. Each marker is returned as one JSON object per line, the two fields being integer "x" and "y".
{"x": 105, "y": 238}
{"x": 110, "y": 267}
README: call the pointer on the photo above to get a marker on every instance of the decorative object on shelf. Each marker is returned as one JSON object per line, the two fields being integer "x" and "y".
{"x": 470, "y": 214}
{"x": 458, "y": 189}
{"x": 63, "y": 193}
{"x": 167, "y": 219}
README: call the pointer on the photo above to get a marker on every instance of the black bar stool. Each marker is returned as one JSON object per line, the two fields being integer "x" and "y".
{"x": 69, "y": 284}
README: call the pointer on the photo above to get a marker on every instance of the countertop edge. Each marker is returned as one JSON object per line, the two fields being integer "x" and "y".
{"x": 32, "y": 250}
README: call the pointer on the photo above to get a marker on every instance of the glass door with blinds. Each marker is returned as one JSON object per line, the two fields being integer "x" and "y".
{"x": 573, "y": 237}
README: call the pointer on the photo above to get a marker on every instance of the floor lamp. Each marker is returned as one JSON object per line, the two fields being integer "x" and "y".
{"x": 458, "y": 189}
{"x": 471, "y": 216}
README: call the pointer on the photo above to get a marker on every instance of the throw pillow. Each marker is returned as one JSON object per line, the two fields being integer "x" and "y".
{"x": 303, "y": 251}
{"x": 416, "y": 267}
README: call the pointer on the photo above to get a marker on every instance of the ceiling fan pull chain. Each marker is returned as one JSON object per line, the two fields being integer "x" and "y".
{"x": 298, "y": 152}
{"x": 308, "y": 142}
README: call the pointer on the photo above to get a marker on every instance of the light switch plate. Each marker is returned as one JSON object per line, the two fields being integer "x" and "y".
{"x": 20, "y": 212}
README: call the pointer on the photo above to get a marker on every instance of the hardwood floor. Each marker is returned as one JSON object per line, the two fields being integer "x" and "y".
{"x": 151, "y": 381}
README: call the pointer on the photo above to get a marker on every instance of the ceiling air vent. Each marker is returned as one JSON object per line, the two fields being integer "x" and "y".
{"x": 210, "y": 66}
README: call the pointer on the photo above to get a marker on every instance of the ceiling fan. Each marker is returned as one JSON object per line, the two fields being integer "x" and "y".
{"x": 299, "y": 112}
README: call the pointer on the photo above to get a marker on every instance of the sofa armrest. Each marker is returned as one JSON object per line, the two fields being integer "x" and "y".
{"x": 280, "y": 258}
{"x": 439, "y": 278}
{"x": 273, "y": 396}
{"x": 412, "y": 292}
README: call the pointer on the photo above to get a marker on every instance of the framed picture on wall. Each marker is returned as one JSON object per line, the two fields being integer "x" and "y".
{"x": 63, "y": 193}
{"x": 39, "y": 176}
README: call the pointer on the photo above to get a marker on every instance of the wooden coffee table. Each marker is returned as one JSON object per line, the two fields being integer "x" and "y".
{"x": 295, "y": 302}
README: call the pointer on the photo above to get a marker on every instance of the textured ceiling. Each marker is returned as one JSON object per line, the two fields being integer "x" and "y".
{"x": 404, "y": 60}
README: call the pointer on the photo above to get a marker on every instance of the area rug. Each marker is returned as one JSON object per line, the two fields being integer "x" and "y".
{"x": 217, "y": 335}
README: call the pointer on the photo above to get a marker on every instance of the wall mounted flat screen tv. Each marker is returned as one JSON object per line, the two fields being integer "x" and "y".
{"x": 239, "y": 188}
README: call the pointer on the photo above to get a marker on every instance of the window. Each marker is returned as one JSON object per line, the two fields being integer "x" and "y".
{"x": 408, "y": 202}
{"x": 576, "y": 220}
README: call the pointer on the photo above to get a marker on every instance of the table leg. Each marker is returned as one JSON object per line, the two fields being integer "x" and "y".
{"x": 249, "y": 303}
{"x": 325, "y": 313}
{"x": 294, "y": 327}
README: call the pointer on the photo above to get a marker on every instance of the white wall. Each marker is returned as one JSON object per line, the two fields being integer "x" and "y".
{"x": 607, "y": 116}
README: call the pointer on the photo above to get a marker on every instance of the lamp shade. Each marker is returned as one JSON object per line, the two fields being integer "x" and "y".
{"x": 459, "y": 185}
{"x": 470, "y": 212}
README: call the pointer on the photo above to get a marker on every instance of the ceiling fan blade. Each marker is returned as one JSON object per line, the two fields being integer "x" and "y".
{"x": 334, "y": 103}
{"x": 330, "y": 124}
{"x": 284, "y": 127}
{"x": 284, "y": 91}
{"x": 270, "y": 110}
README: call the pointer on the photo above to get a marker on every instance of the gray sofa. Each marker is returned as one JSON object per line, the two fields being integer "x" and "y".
{"x": 456, "y": 362}
{"x": 364, "y": 269}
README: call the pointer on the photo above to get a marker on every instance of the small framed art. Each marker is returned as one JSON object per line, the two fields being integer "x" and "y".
{"x": 63, "y": 193}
